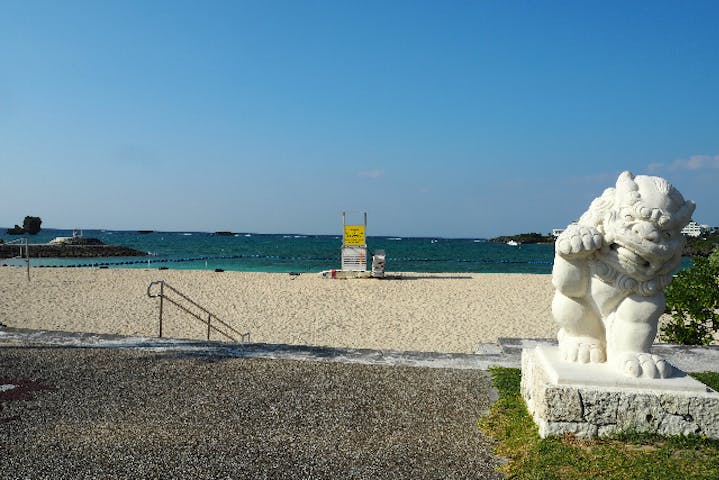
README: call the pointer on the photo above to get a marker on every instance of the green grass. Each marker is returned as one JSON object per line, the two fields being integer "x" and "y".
{"x": 621, "y": 457}
{"x": 711, "y": 379}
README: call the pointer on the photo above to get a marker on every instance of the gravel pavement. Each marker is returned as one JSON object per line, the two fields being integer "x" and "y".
{"x": 77, "y": 413}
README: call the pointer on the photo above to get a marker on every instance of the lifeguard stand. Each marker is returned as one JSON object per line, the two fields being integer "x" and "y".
{"x": 354, "y": 245}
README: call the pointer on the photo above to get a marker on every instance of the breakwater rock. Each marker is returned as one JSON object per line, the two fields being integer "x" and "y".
{"x": 83, "y": 251}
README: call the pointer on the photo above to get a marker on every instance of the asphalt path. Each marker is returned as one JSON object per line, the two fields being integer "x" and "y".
{"x": 119, "y": 413}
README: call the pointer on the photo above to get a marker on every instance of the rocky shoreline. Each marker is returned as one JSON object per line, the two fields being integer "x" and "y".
{"x": 81, "y": 251}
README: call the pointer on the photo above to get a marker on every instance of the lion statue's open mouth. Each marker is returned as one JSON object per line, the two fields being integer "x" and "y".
{"x": 626, "y": 255}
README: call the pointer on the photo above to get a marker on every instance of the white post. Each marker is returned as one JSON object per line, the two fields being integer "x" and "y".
{"x": 27, "y": 259}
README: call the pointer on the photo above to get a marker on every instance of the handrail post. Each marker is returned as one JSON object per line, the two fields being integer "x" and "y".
{"x": 27, "y": 258}
{"x": 162, "y": 294}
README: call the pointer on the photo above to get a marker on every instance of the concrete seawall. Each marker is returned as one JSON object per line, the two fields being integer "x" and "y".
{"x": 42, "y": 250}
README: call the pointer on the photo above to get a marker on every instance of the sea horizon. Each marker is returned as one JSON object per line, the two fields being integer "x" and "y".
{"x": 296, "y": 252}
{"x": 5, "y": 236}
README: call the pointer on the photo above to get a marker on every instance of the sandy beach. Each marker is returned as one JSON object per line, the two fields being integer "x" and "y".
{"x": 419, "y": 312}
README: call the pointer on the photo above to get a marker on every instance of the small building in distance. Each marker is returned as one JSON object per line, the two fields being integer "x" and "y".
{"x": 693, "y": 229}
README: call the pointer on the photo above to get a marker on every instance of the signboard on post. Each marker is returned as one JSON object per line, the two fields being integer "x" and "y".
{"x": 354, "y": 245}
{"x": 354, "y": 259}
{"x": 354, "y": 236}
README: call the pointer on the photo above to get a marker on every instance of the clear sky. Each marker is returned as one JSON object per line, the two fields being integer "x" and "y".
{"x": 443, "y": 118}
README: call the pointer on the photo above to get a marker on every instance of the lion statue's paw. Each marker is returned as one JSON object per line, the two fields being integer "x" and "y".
{"x": 582, "y": 349}
{"x": 577, "y": 239}
{"x": 644, "y": 365}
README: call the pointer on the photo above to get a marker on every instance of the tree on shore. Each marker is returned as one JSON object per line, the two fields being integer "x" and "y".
{"x": 693, "y": 303}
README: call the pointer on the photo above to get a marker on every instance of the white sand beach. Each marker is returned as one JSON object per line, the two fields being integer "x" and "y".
{"x": 421, "y": 312}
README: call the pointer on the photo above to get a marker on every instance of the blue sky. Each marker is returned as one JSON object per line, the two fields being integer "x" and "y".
{"x": 451, "y": 118}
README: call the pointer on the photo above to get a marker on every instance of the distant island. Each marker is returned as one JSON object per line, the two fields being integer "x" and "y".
{"x": 695, "y": 246}
{"x": 524, "y": 238}
{"x": 30, "y": 226}
{"x": 223, "y": 234}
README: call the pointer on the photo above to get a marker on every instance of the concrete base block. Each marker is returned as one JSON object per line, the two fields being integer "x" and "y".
{"x": 593, "y": 400}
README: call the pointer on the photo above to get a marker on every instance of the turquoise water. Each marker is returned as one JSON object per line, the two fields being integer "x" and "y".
{"x": 299, "y": 253}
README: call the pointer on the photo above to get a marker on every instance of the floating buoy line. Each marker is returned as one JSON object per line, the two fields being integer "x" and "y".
{"x": 156, "y": 261}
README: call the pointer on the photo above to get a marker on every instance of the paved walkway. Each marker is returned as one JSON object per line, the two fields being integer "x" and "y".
{"x": 506, "y": 353}
{"x": 75, "y": 405}
{"x": 181, "y": 413}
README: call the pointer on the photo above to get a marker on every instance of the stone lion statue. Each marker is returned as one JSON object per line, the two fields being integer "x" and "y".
{"x": 610, "y": 272}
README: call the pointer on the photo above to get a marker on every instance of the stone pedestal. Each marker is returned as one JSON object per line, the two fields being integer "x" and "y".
{"x": 592, "y": 400}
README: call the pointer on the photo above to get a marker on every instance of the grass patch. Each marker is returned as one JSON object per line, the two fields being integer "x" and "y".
{"x": 621, "y": 457}
{"x": 711, "y": 379}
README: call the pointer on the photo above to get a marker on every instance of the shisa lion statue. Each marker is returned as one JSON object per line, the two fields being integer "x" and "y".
{"x": 610, "y": 272}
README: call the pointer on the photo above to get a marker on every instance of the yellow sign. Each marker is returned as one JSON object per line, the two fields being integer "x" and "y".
{"x": 354, "y": 235}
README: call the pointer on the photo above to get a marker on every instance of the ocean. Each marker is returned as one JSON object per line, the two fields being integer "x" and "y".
{"x": 299, "y": 253}
{"x": 252, "y": 252}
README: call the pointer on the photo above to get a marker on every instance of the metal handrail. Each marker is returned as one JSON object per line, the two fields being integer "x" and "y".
{"x": 244, "y": 337}
{"x": 17, "y": 240}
